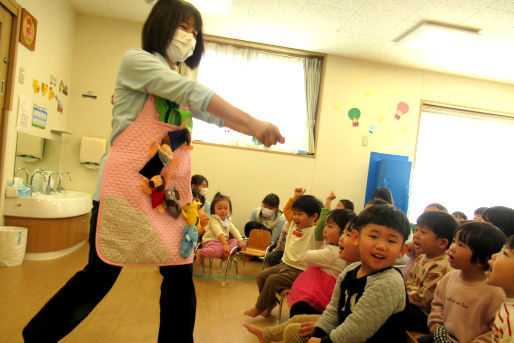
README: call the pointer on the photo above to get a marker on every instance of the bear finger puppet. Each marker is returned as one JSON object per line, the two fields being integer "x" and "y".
{"x": 171, "y": 198}
{"x": 156, "y": 187}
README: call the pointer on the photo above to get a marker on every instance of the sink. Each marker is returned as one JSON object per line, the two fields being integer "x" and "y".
{"x": 58, "y": 205}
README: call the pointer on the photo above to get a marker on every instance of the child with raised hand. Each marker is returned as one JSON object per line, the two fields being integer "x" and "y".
{"x": 501, "y": 274}
{"x": 432, "y": 237}
{"x": 300, "y": 327}
{"x": 312, "y": 289}
{"x": 302, "y": 211}
{"x": 215, "y": 241}
{"x": 464, "y": 304}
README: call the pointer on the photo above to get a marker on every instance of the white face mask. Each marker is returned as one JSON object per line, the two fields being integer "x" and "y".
{"x": 204, "y": 191}
{"x": 266, "y": 212}
{"x": 181, "y": 46}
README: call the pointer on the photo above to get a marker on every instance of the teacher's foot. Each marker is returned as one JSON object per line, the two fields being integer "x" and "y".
{"x": 257, "y": 331}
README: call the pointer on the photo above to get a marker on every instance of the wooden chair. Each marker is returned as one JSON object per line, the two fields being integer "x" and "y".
{"x": 257, "y": 244}
{"x": 412, "y": 337}
{"x": 281, "y": 296}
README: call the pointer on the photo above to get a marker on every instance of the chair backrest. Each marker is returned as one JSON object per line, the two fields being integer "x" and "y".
{"x": 259, "y": 239}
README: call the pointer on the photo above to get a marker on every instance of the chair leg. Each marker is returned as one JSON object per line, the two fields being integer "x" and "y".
{"x": 229, "y": 261}
{"x": 280, "y": 309}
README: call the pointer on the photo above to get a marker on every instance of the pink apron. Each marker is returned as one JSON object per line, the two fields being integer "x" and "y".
{"x": 130, "y": 232}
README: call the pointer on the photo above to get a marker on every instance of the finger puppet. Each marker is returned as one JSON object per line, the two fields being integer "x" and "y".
{"x": 156, "y": 187}
{"x": 189, "y": 240}
{"x": 171, "y": 198}
{"x": 161, "y": 156}
{"x": 190, "y": 212}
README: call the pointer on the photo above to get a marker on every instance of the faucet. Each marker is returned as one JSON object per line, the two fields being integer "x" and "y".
{"x": 59, "y": 185}
{"x": 26, "y": 174}
{"x": 37, "y": 171}
{"x": 48, "y": 188}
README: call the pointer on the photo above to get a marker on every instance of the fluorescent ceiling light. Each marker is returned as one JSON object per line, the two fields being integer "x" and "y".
{"x": 221, "y": 7}
{"x": 436, "y": 36}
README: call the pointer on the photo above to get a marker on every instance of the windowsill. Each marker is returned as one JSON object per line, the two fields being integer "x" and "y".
{"x": 253, "y": 149}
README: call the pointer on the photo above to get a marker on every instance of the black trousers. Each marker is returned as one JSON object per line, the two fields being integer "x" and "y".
{"x": 79, "y": 296}
{"x": 301, "y": 307}
{"x": 417, "y": 320}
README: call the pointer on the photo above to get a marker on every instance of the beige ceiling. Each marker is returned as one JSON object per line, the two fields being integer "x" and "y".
{"x": 363, "y": 29}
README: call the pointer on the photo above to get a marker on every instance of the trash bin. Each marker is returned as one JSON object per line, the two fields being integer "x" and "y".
{"x": 13, "y": 241}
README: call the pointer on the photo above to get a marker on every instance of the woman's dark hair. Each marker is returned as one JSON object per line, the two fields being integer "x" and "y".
{"x": 308, "y": 204}
{"x": 385, "y": 215}
{"x": 501, "y": 217}
{"x": 196, "y": 194}
{"x": 483, "y": 239}
{"x": 340, "y": 218}
{"x": 438, "y": 206}
{"x": 441, "y": 223}
{"x": 460, "y": 214}
{"x": 271, "y": 200}
{"x": 382, "y": 193}
{"x": 197, "y": 180}
{"x": 347, "y": 204}
{"x": 163, "y": 21}
{"x": 219, "y": 197}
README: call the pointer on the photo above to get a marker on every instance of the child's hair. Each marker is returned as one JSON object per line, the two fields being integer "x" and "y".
{"x": 197, "y": 180}
{"x": 441, "y": 223}
{"x": 479, "y": 211}
{"x": 385, "y": 215}
{"x": 382, "y": 193}
{"x": 377, "y": 201}
{"x": 510, "y": 242}
{"x": 460, "y": 214}
{"x": 501, "y": 217}
{"x": 271, "y": 200}
{"x": 340, "y": 218}
{"x": 219, "y": 197}
{"x": 196, "y": 194}
{"x": 308, "y": 204}
{"x": 351, "y": 223}
{"x": 483, "y": 239}
{"x": 347, "y": 204}
{"x": 438, "y": 206}
{"x": 163, "y": 21}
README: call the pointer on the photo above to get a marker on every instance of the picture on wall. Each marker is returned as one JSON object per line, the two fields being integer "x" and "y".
{"x": 28, "y": 29}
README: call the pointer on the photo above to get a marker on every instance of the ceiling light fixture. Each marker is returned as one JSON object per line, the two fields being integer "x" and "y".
{"x": 221, "y": 7}
{"x": 438, "y": 36}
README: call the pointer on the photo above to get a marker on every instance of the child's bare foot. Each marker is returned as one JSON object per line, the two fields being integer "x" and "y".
{"x": 253, "y": 312}
{"x": 199, "y": 258}
{"x": 257, "y": 331}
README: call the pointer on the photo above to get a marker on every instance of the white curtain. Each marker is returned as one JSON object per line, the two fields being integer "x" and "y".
{"x": 268, "y": 86}
{"x": 312, "y": 67}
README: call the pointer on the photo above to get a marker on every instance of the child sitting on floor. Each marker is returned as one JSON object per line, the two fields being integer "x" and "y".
{"x": 303, "y": 324}
{"x": 312, "y": 289}
{"x": 464, "y": 304}
{"x": 501, "y": 274}
{"x": 432, "y": 236}
{"x": 300, "y": 238}
{"x": 215, "y": 241}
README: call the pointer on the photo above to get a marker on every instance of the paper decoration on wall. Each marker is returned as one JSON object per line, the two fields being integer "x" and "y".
{"x": 89, "y": 94}
{"x": 404, "y": 128}
{"x": 369, "y": 94}
{"x": 39, "y": 117}
{"x": 28, "y": 29}
{"x": 381, "y": 118}
{"x": 59, "y": 105}
{"x": 44, "y": 88}
{"x": 51, "y": 93}
{"x": 351, "y": 100}
{"x": 337, "y": 106}
{"x": 401, "y": 109}
{"x": 372, "y": 129}
{"x": 354, "y": 114}
{"x": 53, "y": 81}
{"x": 63, "y": 88}
{"x": 35, "y": 86}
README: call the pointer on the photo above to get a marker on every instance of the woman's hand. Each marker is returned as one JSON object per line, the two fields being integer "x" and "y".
{"x": 242, "y": 245}
{"x": 267, "y": 133}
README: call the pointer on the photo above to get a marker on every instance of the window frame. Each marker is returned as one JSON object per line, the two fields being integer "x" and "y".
{"x": 277, "y": 50}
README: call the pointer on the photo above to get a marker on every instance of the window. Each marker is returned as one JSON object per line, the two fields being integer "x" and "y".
{"x": 281, "y": 89}
{"x": 464, "y": 160}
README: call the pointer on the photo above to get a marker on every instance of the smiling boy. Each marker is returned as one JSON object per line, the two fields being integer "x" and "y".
{"x": 369, "y": 303}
